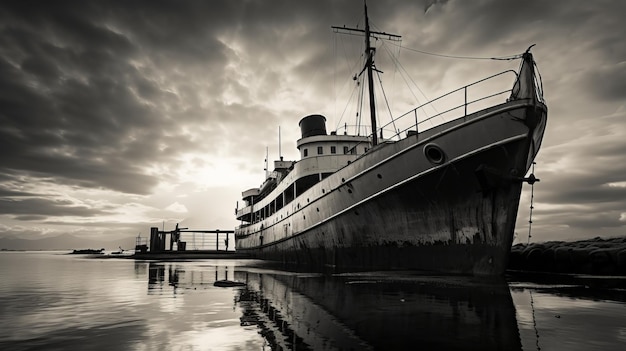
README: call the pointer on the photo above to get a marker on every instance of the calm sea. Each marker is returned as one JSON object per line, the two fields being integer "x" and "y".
{"x": 55, "y": 301}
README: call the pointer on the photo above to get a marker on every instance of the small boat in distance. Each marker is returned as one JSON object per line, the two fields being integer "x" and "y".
{"x": 120, "y": 252}
{"x": 443, "y": 199}
{"x": 88, "y": 252}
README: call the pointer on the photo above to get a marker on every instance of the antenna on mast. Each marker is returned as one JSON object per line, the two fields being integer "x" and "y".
{"x": 266, "y": 165}
{"x": 280, "y": 154}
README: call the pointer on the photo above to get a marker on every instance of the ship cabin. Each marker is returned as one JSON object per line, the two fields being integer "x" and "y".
{"x": 321, "y": 155}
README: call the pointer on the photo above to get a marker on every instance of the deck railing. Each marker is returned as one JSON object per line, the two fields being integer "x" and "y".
{"x": 480, "y": 85}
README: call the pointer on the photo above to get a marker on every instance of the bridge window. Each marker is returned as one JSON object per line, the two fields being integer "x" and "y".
{"x": 306, "y": 152}
{"x": 345, "y": 150}
{"x": 333, "y": 149}
{"x": 320, "y": 150}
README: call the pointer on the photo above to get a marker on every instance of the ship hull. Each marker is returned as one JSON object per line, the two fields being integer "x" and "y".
{"x": 400, "y": 207}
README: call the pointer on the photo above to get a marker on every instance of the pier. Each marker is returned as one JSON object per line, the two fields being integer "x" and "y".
{"x": 185, "y": 243}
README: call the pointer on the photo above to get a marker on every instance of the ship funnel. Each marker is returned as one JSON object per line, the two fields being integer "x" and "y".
{"x": 313, "y": 125}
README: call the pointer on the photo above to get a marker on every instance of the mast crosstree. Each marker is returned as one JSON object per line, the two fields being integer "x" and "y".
{"x": 369, "y": 64}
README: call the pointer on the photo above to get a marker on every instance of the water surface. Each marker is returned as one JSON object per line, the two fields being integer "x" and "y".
{"x": 54, "y": 301}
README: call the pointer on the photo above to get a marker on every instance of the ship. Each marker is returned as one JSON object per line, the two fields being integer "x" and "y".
{"x": 430, "y": 197}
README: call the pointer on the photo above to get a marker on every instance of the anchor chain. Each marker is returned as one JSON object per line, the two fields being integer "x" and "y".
{"x": 531, "y": 179}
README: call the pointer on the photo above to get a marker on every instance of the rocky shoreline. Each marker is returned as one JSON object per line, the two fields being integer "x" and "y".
{"x": 592, "y": 256}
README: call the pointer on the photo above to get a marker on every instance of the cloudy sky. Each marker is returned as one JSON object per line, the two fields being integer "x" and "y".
{"x": 119, "y": 116}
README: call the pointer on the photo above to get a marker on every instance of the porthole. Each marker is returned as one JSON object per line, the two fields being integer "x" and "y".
{"x": 318, "y": 209}
{"x": 379, "y": 176}
{"x": 323, "y": 191}
{"x": 350, "y": 191}
{"x": 343, "y": 180}
{"x": 434, "y": 154}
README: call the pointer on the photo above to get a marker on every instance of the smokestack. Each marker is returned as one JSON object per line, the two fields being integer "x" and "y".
{"x": 313, "y": 125}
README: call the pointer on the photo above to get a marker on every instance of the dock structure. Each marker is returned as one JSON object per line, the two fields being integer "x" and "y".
{"x": 196, "y": 244}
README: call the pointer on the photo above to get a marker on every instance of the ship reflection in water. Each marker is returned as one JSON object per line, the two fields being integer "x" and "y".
{"x": 375, "y": 311}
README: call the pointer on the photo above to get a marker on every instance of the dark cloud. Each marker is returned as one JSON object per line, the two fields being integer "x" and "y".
{"x": 44, "y": 207}
{"x": 15, "y": 193}
{"x": 118, "y": 95}
{"x": 30, "y": 218}
{"x": 582, "y": 190}
{"x": 82, "y": 102}
{"x": 607, "y": 82}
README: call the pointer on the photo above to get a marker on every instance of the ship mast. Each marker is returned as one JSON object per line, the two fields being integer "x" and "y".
{"x": 369, "y": 52}
{"x": 369, "y": 64}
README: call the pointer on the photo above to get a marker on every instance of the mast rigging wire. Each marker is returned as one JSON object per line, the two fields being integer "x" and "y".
{"x": 398, "y": 64}
{"x": 360, "y": 105}
{"x": 402, "y": 69}
{"x": 382, "y": 89}
{"x": 351, "y": 67}
{"x": 505, "y": 58}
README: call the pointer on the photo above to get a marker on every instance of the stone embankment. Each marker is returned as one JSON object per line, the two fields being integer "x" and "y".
{"x": 593, "y": 256}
